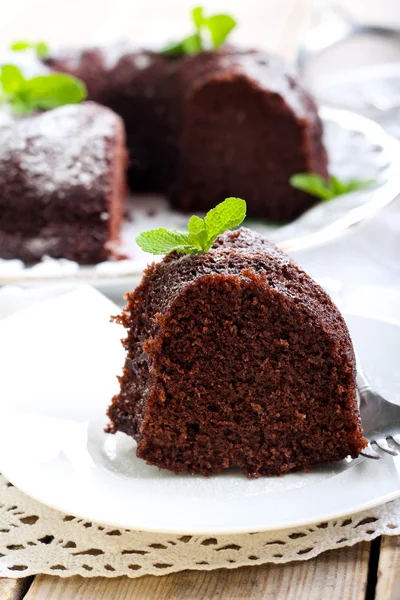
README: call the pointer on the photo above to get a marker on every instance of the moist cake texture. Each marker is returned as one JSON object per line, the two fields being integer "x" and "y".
{"x": 236, "y": 358}
{"x": 201, "y": 128}
{"x": 62, "y": 184}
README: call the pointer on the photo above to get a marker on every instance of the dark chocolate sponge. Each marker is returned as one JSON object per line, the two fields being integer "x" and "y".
{"x": 205, "y": 127}
{"x": 62, "y": 184}
{"x": 236, "y": 358}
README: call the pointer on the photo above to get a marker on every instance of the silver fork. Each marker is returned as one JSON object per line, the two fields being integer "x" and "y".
{"x": 379, "y": 417}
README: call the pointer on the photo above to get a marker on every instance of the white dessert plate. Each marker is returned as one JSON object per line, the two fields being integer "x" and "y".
{"x": 60, "y": 359}
{"x": 357, "y": 148}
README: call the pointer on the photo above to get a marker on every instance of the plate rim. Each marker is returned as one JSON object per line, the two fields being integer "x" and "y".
{"x": 389, "y": 497}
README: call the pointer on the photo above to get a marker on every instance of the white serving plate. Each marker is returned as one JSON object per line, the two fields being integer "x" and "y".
{"x": 357, "y": 148}
{"x": 60, "y": 360}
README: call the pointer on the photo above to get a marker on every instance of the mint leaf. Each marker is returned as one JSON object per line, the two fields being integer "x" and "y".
{"x": 337, "y": 187}
{"x": 20, "y": 46}
{"x": 210, "y": 33}
{"x": 198, "y": 232}
{"x": 56, "y": 89}
{"x": 198, "y": 16}
{"x": 192, "y": 44}
{"x": 163, "y": 241}
{"x": 326, "y": 190}
{"x": 174, "y": 49}
{"x": 41, "y": 48}
{"x": 220, "y": 27}
{"x": 42, "y": 92}
{"x": 230, "y": 213}
{"x": 11, "y": 79}
{"x": 202, "y": 233}
{"x": 352, "y": 185}
{"x": 22, "y": 106}
{"x": 312, "y": 184}
{"x": 196, "y": 225}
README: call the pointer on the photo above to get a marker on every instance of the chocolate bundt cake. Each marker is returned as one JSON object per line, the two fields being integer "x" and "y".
{"x": 236, "y": 358}
{"x": 204, "y": 127}
{"x": 62, "y": 183}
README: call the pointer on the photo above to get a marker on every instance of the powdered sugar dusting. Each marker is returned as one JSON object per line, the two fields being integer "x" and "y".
{"x": 6, "y": 116}
{"x": 59, "y": 150}
{"x": 39, "y": 245}
{"x": 270, "y": 73}
{"x": 142, "y": 61}
{"x": 112, "y": 54}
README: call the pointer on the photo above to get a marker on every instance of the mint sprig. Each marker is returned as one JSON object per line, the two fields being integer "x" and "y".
{"x": 209, "y": 33}
{"x": 42, "y": 92}
{"x": 201, "y": 233}
{"x": 41, "y": 48}
{"x": 327, "y": 190}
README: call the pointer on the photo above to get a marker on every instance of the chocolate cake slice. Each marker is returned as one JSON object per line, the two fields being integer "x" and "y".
{"x": 205, "y": 127}
{"x": 236, "y": 358}
{"x": 62, "y": 183}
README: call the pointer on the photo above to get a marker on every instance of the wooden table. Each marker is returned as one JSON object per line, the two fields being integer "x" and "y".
{"x": 367, "y": 570}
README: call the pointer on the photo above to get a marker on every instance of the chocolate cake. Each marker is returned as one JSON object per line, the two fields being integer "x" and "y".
{"x": 204, "y": 127}
{"x": 62, "y": 183}
{"x": 236, "y": 358}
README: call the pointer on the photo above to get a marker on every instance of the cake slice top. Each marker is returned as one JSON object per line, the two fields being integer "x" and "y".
{"x": 116, "y": 68}
{"x": 245, "y": 254}
{"x": 54, "y": 152}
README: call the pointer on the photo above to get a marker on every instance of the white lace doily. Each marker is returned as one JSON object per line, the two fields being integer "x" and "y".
{"x": 37, "y": 539}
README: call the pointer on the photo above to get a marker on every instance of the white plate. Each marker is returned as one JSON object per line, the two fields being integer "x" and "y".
{"x": 60, "y": 359}
{"x": 357, "y": 147}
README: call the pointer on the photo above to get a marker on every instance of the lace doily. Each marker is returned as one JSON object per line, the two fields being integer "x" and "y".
{"x": 37, "y": 539}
